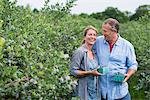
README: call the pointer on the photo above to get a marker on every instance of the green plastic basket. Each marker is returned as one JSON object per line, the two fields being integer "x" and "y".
{"x": 103, "y": 70}
{"x": 118, "y": 77}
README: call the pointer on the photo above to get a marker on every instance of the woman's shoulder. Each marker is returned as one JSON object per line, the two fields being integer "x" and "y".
{"x": 81, "y": 50}
{"x": 78, "y": 55}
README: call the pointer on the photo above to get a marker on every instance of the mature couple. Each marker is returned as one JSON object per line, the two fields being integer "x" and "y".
{"x": 110, "y": 52}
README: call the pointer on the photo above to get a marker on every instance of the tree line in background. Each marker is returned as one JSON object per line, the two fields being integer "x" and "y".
{"x": 123, "y": 17}
{"x": 36, "y": 48}
{"x": 112, "y": 12}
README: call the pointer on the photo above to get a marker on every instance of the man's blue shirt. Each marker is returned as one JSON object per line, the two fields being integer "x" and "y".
{"x": 121, "y": 58}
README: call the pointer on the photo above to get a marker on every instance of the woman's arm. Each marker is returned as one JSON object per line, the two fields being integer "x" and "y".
{"x": 84, "y": 73}
{"x": 76, "y": 64}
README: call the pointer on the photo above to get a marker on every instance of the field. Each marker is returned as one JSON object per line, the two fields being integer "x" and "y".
{"x": 36, "y": 47}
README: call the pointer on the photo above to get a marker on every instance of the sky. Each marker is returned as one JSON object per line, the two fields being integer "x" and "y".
{"x": 91, "y": 6}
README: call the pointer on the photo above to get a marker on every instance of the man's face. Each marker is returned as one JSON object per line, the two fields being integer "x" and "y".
{"x": 107, "y": 32}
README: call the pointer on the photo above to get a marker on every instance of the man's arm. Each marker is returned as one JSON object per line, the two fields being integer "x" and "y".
{"x": 129, "y": 74}
{"x": 131, "y": 63}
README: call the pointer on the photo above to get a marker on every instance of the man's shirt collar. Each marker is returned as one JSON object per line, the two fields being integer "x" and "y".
{"x": 117, "y": 42}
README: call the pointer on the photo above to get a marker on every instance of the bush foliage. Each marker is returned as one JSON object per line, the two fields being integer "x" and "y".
{"x": 35, "y": 50}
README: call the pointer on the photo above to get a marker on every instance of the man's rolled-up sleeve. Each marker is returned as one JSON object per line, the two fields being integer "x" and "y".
{"x": 131, "y": 59}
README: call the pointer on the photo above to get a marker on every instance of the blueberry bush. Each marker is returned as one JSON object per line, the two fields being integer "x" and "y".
{"x": 36, "y": 47}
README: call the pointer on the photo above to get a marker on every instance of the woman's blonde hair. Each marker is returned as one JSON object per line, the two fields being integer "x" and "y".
{"x": 88, "y": 28}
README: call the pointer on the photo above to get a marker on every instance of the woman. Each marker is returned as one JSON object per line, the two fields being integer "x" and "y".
{"x": 84, "y": 65}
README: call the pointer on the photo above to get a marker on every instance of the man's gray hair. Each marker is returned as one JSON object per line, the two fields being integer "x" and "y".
{"x": 113, "y": 23}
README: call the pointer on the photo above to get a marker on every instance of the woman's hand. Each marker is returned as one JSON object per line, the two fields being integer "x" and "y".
{"x": 95, "y": 73}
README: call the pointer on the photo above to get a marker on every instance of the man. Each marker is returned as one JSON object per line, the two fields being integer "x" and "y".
{"x": 119, "y": 56}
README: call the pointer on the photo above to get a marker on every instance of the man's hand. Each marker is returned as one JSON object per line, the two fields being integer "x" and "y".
{"x": 129, "y": 74}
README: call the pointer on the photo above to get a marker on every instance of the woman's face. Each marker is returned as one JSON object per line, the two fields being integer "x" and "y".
{"x": 90, "y": 37}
